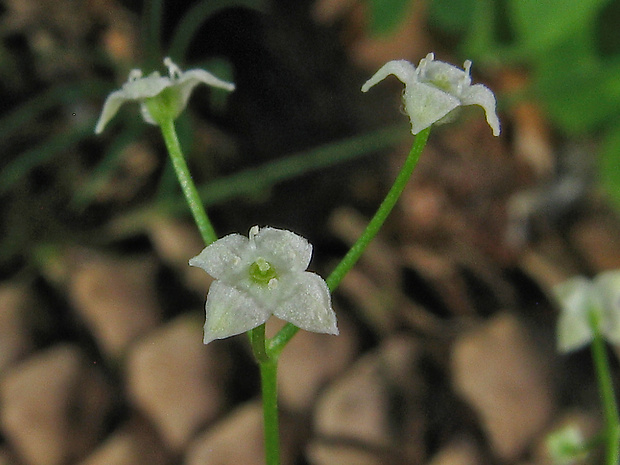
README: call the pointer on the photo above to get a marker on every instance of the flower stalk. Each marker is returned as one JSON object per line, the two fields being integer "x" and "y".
{"x": 185, "y": 180}
{"x": 279, "y": 341}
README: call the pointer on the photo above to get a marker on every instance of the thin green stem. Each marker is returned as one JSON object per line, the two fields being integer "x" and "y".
{"x": 268, "y": 376}
{"x": 279, "y": 341}
{"x": 187, "y": 184}
{"x": 608, "y": 399}
{"x": 257, "y": 340}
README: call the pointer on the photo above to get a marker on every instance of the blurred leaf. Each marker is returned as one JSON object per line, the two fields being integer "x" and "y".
{"x": 580, "y": 90}
{"x": 196, "y": 16}
{"x": 541, "y": 24}
{"x": 610, "y": 164}
{"x": 453, "y": 16}
{"x": 13, "y": 172}
{"x": 386, "y": 15}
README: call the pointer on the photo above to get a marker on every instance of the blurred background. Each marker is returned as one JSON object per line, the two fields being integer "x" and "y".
{"x": 447, "y": 346}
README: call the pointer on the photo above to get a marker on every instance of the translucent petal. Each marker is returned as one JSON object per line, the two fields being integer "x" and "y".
{"x": 146, "y": 87}
{"x": 230, "y": 312}
{"x": 426, "y": 105}
{"x": 309, "y": 306}
{"x": 576, "y": 300}
{"x": 481, "y": 95}
{"x": 110, "y": 108}
{"x": 402, "y": 69}
{"x": 285, "y": 250}
{"x": 191, "y": 78}
{"x": 225, "y": 257}
{"x": 443, "y": 75}
{"x": 607, "y": 289}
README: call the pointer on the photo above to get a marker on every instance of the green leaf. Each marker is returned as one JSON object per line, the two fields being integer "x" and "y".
{"x": 610, "y": 164}
{"x": 541, "y": 24}
{"x": 453, "y": 16}
{"x": 386, "y": 15}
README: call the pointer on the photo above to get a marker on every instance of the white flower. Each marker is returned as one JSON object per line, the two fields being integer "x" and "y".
{"x": 159, "y": 96}
{"x": 585, "y": 302}
{"x": 435, "y": 89}
{"x": 260, "y": 276}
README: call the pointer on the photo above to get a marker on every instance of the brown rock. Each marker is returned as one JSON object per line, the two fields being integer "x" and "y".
{"x": 116, "y": 298}
{"x": 353, "y": 418}
{"x": 53, "y": 406}
{"x": 496, "y": 369}
{"x": 15, "y": 340}
{"x": 134, "y": 444}
{"x": 458, "y": 452}
{"x": 236, "y": 440}
{"x": 176, "y": 380}
{"x": 309, "y": 361}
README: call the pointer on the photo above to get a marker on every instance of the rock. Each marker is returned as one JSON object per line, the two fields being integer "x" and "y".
{"x": 176, "y": 380}
{"x": 309, "y": 361}
{"x": 116, "y": 298}
{"x": 238, "y": 439}
{"x": 458, "y": 452}
{"x": 54, "y": 406}
{"x": 502, "y": 377}
{"x": 15, "y": 341}
{"x": 355, "y": 419}
{"x": 134, "y": 444}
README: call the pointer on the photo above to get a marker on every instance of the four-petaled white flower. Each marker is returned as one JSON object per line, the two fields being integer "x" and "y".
{"x": 584, "y": 303}
{"x": 159, "y": 96}
{"x": 435, "y": 89}
{"x": 259, "y": 276}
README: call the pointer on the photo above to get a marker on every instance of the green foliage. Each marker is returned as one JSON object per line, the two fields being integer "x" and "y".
{"x": 572, "y": 49}
{"x": 386, "y": 15}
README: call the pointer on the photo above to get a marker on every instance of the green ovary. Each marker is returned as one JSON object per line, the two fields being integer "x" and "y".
{"x": 262, "y": 272}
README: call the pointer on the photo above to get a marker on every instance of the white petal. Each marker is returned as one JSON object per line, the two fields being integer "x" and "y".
{"x": 146, "y": 87}
{"x": 576, "y": 300}
{"x": 230, "y": 312}
{"x": 426, "y": 105}
{"x": 481, "y": 95}
{"x": 110, "y": 107}
{"x": 443, "y": 75}
{"x": 402, "y": 69}
{"x": 285, "y": 250}
{"x": 225, "y": 257}
{"x": 607, "y": 289}
{"x": 309, "y": 307}
{"x": 137, "y": 90}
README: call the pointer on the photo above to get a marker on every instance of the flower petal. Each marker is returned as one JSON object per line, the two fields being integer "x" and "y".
{"x": 402, "y": 69}
{"x": 426, "y": 105}
{"x": 110, "y": 108}
{"x": 230, "y": 312}
{"x": 309, "y": 307}
{"x": 285, "y": 250}
{"x": 191, "y": 78}
{"x": 224, "y": 258}
{"x": 607, "y": 289}
{"x": 576, "y": 300}
{"x": 481, "y": 95}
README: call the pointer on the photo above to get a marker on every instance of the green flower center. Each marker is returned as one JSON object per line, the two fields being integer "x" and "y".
{"x": 165, "y": 105}
{"x": 262, "y": 272}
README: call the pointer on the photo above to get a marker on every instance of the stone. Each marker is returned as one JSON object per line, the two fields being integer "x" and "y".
{"x": 116, "y": 298}
{"x": 496, "y": 369}
{"x": 54, "y": 406}
{"x": 176, "y": 380}
{"x": 133, "y": 444}
{"x": 15, "y": 340}
{"x": 238, "y": 439}
{"x": 311, "y": 360}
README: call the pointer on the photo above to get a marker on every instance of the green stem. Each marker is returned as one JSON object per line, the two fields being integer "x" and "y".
{"x": 608, "y": 398}
{"x": 279, "y": 341}
{"x": 268, "y": 376}
{"x": 257, "y": 340}
{"x": 187, "y": 184}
